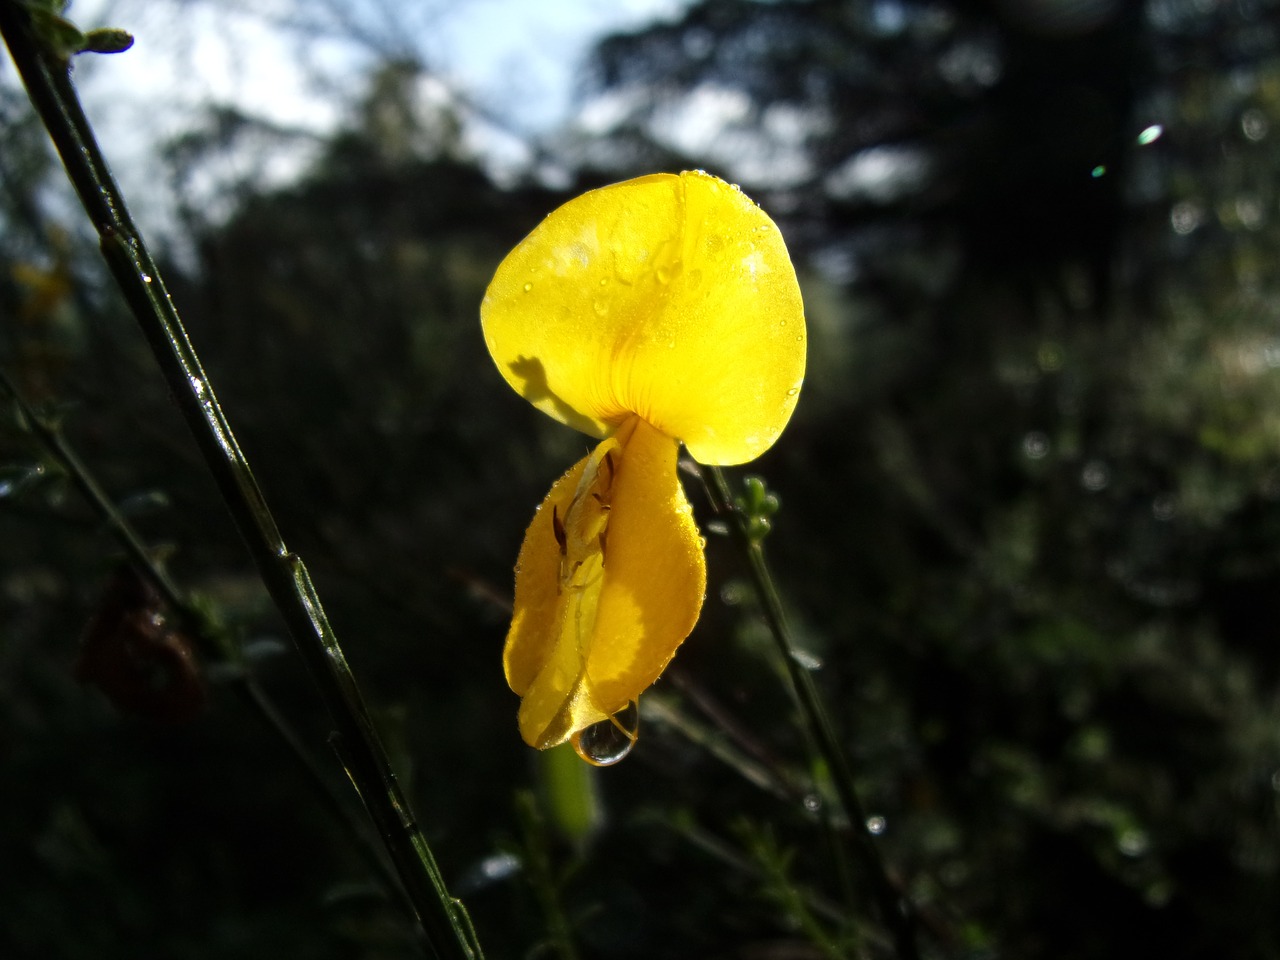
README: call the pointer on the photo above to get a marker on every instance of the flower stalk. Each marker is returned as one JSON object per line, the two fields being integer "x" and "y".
{"x": 895, "y": 908}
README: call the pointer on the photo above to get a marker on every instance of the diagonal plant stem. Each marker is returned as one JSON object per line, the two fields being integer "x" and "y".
{"x": 47, "y": 78}
{"x": 51, "y": 438}
{"x": 895, "y": 908}
{"x": 665, "y": 710}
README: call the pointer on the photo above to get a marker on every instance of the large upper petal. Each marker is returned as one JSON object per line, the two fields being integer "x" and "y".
{"x": 670, "y": 297}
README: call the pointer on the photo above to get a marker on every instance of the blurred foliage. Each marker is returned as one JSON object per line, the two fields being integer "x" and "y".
{"x": 1027, "y": 517}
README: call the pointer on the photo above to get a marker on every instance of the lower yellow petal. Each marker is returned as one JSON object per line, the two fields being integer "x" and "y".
{"x": 609, "y": 582}
{"x": 559, "y": 576}
{"x": 655, "y": 573}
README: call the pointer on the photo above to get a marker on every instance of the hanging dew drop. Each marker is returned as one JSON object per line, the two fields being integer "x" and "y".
{"x": 605, "y": 743}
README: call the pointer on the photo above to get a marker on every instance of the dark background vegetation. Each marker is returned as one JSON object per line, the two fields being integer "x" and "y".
{"x": 1030, "y": 520}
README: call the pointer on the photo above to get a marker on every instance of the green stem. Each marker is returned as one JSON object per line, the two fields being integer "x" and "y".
{"x": 48, "y": 82}
{"x": 895, "y": 908}
{"x": 51, "y": 438}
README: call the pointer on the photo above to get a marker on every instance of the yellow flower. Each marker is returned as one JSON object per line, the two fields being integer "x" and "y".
{"x": 659, "y": 311}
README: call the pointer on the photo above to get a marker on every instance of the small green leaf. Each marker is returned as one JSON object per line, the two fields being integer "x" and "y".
{"x": 107, "y": 40}
{"x": 572, "y": 793}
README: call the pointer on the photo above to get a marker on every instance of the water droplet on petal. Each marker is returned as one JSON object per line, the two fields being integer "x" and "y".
{"x": 793, "y": 391}
{"x": 605, "y": 743}
{"x": 528, "y": 287}
{"x": 601, "y": 307}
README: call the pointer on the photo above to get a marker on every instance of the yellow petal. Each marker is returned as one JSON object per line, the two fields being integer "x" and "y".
{"x": 609, "y": 582}
{"x": 544, "y": 654}
{"x": 669, "y": 297}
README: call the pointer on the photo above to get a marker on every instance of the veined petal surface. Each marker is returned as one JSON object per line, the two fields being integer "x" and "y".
{"x": 669, "y": 297}
{"x": 610, "y": 581}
